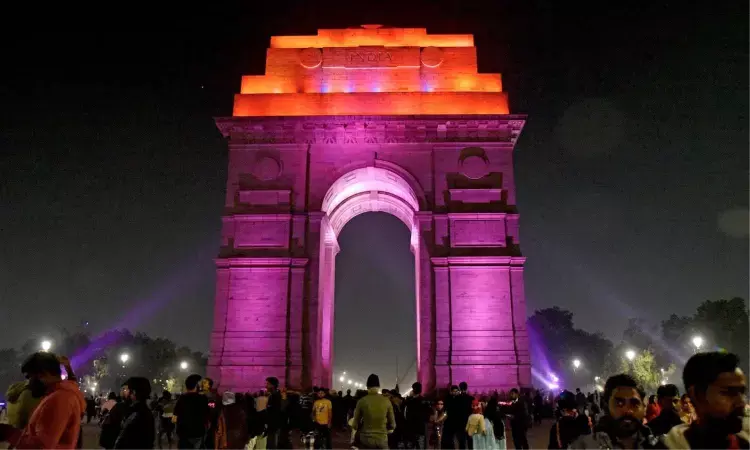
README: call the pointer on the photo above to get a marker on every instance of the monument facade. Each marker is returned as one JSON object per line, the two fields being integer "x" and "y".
{"x": 357, "y": 120}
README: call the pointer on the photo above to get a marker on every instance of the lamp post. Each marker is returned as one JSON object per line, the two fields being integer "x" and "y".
{"x": 697, "y": 343}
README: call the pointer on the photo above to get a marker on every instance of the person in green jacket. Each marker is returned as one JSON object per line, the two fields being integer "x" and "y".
{"x": 373, "y": 417}
{"x": 21, "y": 404}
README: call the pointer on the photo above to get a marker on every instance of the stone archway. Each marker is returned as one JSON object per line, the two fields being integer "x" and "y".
{"x": 367, "y": 189}
{"x": 316, "y": 141}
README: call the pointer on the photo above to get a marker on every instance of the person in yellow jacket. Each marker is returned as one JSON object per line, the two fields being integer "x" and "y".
{"x": 21, "y": 404}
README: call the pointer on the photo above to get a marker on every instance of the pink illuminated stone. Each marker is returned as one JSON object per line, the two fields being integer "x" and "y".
{"x": 345, "y": 123}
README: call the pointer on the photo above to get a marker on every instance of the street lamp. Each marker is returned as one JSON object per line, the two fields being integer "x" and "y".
{"x": 184, "y": 365}
{"x": 597, "y": 378}
{"x": 341, "y": 379}
{"x": 46, "y": 345}
{"x": 348, "y": 381}
{"x": 697, "y": 342}
{"x": 124, "y": 357}
{"x": 576, "y": 363}
{"x": 630, "y": 354}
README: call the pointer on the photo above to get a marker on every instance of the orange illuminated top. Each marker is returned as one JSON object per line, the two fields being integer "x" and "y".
{"x": 374, "y": 35}
{"x": 371, "y": 70}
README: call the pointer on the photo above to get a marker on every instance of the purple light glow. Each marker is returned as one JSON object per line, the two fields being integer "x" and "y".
{"x": 176, "y": 285}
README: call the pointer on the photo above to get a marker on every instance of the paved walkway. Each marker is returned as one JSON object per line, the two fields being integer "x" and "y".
{"x": 538, "y": 437}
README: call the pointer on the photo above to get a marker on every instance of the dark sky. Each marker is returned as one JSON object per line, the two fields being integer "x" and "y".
{"x": 632, "y": 170}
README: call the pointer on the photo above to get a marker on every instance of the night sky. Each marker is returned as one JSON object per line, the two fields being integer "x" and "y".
{"x": 632, "y": 170}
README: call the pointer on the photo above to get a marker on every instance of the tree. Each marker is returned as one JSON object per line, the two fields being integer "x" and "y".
{"x": 644, "y": 367}
{"x": 555, "y": 341}
{"x": 724, "y": 323}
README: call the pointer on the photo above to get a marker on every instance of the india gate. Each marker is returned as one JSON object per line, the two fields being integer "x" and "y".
{"x": 366, "y": 119}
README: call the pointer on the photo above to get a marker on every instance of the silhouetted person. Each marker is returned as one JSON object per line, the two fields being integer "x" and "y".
{"x": 138, "y": 429}
{"x": 192, "y": 415}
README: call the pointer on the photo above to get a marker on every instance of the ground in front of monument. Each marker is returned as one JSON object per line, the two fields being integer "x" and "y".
{"x": 538, "y": 437}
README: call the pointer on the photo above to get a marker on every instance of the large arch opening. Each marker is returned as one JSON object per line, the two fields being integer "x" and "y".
{"x": 374, "y": 305}
{"x": 364, "y": 190}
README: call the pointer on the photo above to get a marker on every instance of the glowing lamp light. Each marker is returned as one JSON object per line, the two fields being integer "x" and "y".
{"x": 341, "y": 379}
{"x": 184, "y": 365}
{"x": 597, "y": 378}
{"x": 576, "y": 363}
{"x": 630, "y": 354}
{"x": 124, "y": 358}
{"x": 348, "y": 381}
{"x": 698, "y": 342}
{"x": 46, "y": 345}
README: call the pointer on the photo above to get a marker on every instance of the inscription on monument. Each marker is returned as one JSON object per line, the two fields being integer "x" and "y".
{"x": 370, "y": 57}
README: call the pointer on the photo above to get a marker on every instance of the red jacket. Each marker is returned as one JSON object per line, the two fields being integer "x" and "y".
{"x": 56, "y": 422}
{"x": 652, "y": 411}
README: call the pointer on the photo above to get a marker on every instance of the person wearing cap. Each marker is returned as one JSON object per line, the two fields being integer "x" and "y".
{"x": 373, "y": 417}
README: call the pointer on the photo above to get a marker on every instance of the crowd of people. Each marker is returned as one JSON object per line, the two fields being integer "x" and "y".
{"x": 47, "y": 411}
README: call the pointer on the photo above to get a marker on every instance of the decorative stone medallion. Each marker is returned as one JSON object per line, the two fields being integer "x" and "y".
{"x": 432, "y": 56}
{"x": 310, "y": 58}
{"x": 266, "y": 168}
{"x": 474, "y": 163}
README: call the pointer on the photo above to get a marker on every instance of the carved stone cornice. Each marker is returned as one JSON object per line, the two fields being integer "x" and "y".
{"x": 352, "y": 130}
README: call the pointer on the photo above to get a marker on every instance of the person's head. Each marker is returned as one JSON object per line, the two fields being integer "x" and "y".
{"x": 514, "y": 394}
{"x": 668, "y": 397}
{"x": 321, "y": 393}
{"x": 717, "y": 388}
{"x": 228, "y": 398}
{"x": 386, "y": 392}
{"x": 652, "y": 399}
{"x": 348, "y": 392}
{"x": 416, "y": 388}
{"x": 191, "y": 382}
{"x": 685, "y": 403}
{"x": 476, "y": 407}
{"x": 454, "y": 390}
{"x": 206, "y": 384}
{"x": 625, "y": 400}
{"x": 112, "y": 396}
{"x": 373, "y": 381}
{"x": 166, "y": 395}
{"x": 42, "y": 369}
{"x": 567, "y": 401}
{"x": 463, "y": 386}
{"x": 578, "y": 390}
{"x": 439, "y": 405}
{"x": 272, "y": 383}
{"x": 138, "y": 389}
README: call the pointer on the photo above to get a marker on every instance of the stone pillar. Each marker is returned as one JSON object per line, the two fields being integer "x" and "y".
{"x": 477, "y": 339}
{"x": 312, "y": 313}
{"x": 256, "y": 337}
{"x": 423, "y": 235}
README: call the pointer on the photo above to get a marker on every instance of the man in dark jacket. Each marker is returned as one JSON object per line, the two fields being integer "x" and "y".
{"x": 668, "y": 397}
{"x": 417, "y": 413}
{"x": 519, "y": 420}
{"x": 138, "y": 428}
